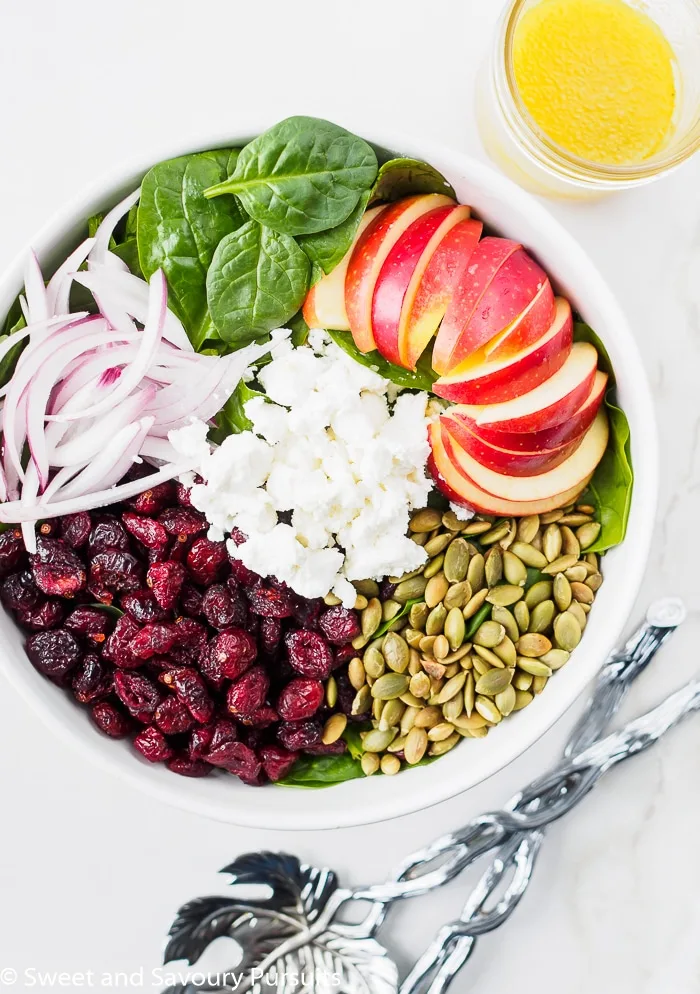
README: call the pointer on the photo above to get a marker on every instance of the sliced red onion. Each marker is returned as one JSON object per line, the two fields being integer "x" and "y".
{"x": 111, "y": 464}
{"x": 100, "y": 254}
{"x": 35, "y": 291}
{"x": 89, "y": 443}
{"x": 58, "y": 288}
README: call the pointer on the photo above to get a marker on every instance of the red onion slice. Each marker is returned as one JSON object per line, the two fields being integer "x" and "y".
{"x": 86, "y": 445}
{"x": 100, "y": 254}
{"x": 58, "y": 288}
{"x": 35, "y": 291}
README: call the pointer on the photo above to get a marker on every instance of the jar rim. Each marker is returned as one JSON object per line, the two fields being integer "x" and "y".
{"x": 539, "y": 144}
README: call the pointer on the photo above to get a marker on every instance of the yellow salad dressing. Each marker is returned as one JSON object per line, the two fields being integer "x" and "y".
{"x": 597, "y": 76}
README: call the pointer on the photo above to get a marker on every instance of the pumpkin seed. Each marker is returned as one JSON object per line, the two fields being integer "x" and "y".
{"x": 356, "y": 673}
{"x": 567, "y": 631}
{"x": 425, "y": 520}
{"x": 369, "y": 763}
{"x": 528, "y": 554}
{"x": 406, "y": 576}
{"x": 397, "y": 745}
{"x": 555, "y": 658}
{"x": 551, "y": 543}
{"x": 434, "y": 566}
{"x": 441, "y": 647}
{"x": 451, "y": 522}
{"x": 574, "y": 518}
{"x": 414, "y": 637}
{"x": 522, "y": 615}
{"x": 487, "y": 709}
{"x": 436, "y": 620}
{"x": 391, "y": 715}
{"x": 473, "y": 605}
{"x": 453, "y": 708}
{"x": 508, "y": 539}
{"x": 418, "y": 615}
{"x": 415, "y": 746}
{"x": 458, "y": 655}
{"x": 522, "y": 699}
{"x": 514, "y": 569}
{"x": 582, "y": 593}
{"x": 390, "y": 609}
{"x": 361, "y": 602}
{"x": 505, "y": 595}
{"x": 533, "y": 645}
{"x": 475, "y": 572}
{"x": 428, "y": 717}
{"x": 592, "y": 560}
{"x": 498, "y": 532}
{"x": 420, "y": 538}
{"x": 410, "y": 590}
{"x": 539, "y": 683}
{"x": 528, "y": 528}
{"x": 456, "y": 561}
{"x": 488, "y": 656}
{"x": 389, "y": 686}
{"x": 476, "y": 528}
{"x": 588, "y": 533}
{"x": 577, "y": 610}
{"x": 542, "y": 616}
{"x": 440, "y": 748}
{"x": 396, "y": 652}
{"x": 550, "y": 517}
{"x": 331, "y": 600}
{"x": 414, "y": 662}
{"x": 455, "y": 628}
{"x": 451, "y": 688}
{"x": 331, "y": 692}
{"x": 377, "y": 709}
{"x": 390, "y": 765}
{"x": 493, "y": 566}
{"x": 585, "y": 508}
{"x": 522, "y": 680}
{"x": 505, "y": 651}
{"x": 480, "y": 666}
{"x": 359, "y": 642}
{"x": 458, "y": 595}
{"x": 594, "y": 581}
{"x": 377, "y": 741}
{"x": 369, "y": 588}
{"x": 420, "y": 685}
{"x": 334, "y": 728}
{"x": 434, "y": 546}
{"x": 489, "y": 634}
{"x": 569, "y": 543}
{"x": 440, "y": 732}
{"x": 408, "y": 719}
{"x": 494, "y": 682}
{"x": 533, "y": 666}
{"x": 561, "y": 591}
{"x": 577, "y": 572}
{"x": 434, "y": 669}
{"x": 559, "y": 565}
{"x": 468, "y": 723}
{"x": 469, "y": 693}
{"x": 362, "y": 701}
{"x": 505, "y": 700}
{"x": 435, "y": 590}
{"x": 371, "y": 617}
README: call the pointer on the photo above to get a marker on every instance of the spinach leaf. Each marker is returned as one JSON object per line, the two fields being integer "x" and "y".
{"x": 299, "y": 328}
{"x": 422, "y": 379}
{"x": 327, "y": 248}
{"x": 353, "y": 737}
{"x": 482, "y": 615}
{"x": 302, "y": 175}
{"x": 231, "y": 419}
{"x": 322, "y": 771}
{"x": 610, "y": 490}
{"x": 14, "y": 321}
{"x": 256, "y": 282}
{"x": 386, "y": 625}
{"x": 178, "y": 231}
{"x": 128, "y": 251}
{"x": 399, "y": 177}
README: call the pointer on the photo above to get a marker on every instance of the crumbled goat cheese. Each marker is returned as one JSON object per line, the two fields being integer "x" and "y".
{"x": 462, "y": 513}
{"x": 333, "y": 451}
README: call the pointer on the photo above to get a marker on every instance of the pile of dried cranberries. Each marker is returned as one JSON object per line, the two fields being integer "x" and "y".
{"x": 168, "y": 640}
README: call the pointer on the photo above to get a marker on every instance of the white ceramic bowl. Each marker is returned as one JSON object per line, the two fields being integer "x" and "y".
{"x": 514, "y": 214}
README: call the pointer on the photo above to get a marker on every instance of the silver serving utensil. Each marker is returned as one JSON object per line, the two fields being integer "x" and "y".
{"x": 292, "y": 940}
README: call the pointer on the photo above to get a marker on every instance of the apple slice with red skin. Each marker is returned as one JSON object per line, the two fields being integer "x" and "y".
{"x": 510, "y": 461}
{"x": 428, "y": 296}
{"x": 324, "y": 306}
{"x": 523, "y": 331}
{"x": 401, "y": 275}
{"x": 567, "y": 475}
{"x": 547, "y": 438}
{"x": 482, "y": 381}
{"x": 368, "y": 257}
{"x": 461, "y": 490}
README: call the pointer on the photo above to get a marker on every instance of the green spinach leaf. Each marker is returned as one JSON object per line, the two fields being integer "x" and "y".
{"x": 327, "y": 248}
{"x": 257, "y": 281}
{"x": 299, "y": 328}
{"x": 322, "y": 771}
{"x": 422, "y": 379}
{"x": 400, "y": 177}
{"x": 14, "y": 321}
{"x": 302, "y": 175}
{"x": 178, "y": 230}
{"x": 231, "y": 419}
{"x": 482, "y": 615}
{"x": 610, "y": 490}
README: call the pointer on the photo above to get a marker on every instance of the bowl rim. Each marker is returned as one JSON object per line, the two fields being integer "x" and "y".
{"x": 338, "y": 808}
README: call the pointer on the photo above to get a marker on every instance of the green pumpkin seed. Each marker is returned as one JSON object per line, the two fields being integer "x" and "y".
{"x": 534, "y": 667}
{"x": 440, "y": 748}
{"x": 441, "y": 647}
{"x": 436, "y": 620}
{"x": 487, "y": 656}
{"x": 356, "y": 673}
{"x": 538, "y": 592}
{"x": 334, "y": 728}
{"x": 371, "y": 617}
{"x": 434, "y": 546}
{"x": 505, "y": 595}
{"x": 456, "y": 561}
{"x": 369, "y": 588}
{"x": 410, "y": 590}
{"x": 469, "y": 693}
{"x": 582, "y": 593}
{"x": 528, "y": 528}
{"x": 578, "y": 572}
{"x": 508, "y": 539}
{"x": 455, "y": 628}
{"x": 555, "y": 658}
{"x": 418, "y": 615}
{"x": 414, "y": 637}
{"x": 569, "y": 544}
{"x": 522, "y": 680}
{"x": 493, "y": 566}
{"x": 533, "y": 645}
{"x": 438, "y": 733}
{"x": 390, "y": 609}
{"x": 395, "y": 651}
{"x": 476, "y": 602}
{"x": 505, "y": 651}
{"x": 594, "y": 581}
{"x": 453, "y": 708}
{"x": 522, "y": 699}
{"x": 390, "y": 765}
{"x": 369, "y": 763}
{"x": 428, "y": 717}
{"x": 435, "y": 590}
{"x": 575, "y": 518}
{"x": 588, "y": 533}
{"x": 505, "y": 701}
{"x": 567, "y": 631}
{"x": 475, "y": 572}
{"x": 451, "y": 688}
{"x": 539, "y": 683}
{"x": 397, "y": 745}
{"x": 577, "y": 610}
{"x": 476, "y": 528}
{"x": 559, "y": 565}
{"x": 425, "y": 520}
{"x": 415, "y": 746}
{"x": 451, "y": 522}
{"x": 331, "y": 600}
{"x": 551, "y": 516}
{"x": 504, "y": 617}
{"x": 410, "y": 701}
{"x": 480, "y": 666}
{"x": 561, "y": 591}
{"x": 420, "y": 538}
{"x": 514, "y": 569}
{"x": 331, "y": 692}
{"x": 551, "y": 543}
{"x": 487, "y": 709}
{"x": 420, "y": 685}
{"x": 528, "y": 554}
{"x": 489, "y": 634}
{"x": 406, "y": 576}
{"x": 434, "y": 566}
{"x": 542, "y": 616}
{"x": 361, "y": 602}
{"x": 469, "y": 723}
{"x": 391, "y": 715}
{"x": 458, "y": 595}
{"x": 522, "y": 615}
{"x": 494, "y": 682}
{"x": 389, "y": 686}
{"x": 495, "y": 534}
{"x": 408, "y": 719}
{"x": 362, "y": 701}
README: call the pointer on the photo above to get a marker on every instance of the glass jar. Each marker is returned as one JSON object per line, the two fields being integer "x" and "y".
{"x": 517, "y": 144}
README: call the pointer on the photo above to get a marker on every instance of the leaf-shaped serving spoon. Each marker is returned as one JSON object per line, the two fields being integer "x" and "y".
{"x": 292, "y": 941}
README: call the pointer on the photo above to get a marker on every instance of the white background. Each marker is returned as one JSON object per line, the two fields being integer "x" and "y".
{"x": 90, "y": 871}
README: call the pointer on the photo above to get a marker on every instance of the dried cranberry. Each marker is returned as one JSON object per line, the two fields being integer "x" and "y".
{"x": 142, "y": 606}
{"x": 191, "y": 691}
{"x": 92, "y": 680}
{"x": 205, "y": 560}
{"x": 200, "y": 741}
{"x": 115, "y": 570}
{"x": 340, "y": 625}
{"x": 252, "y": 625}
{"x": 343, "y": 655}
{"x": 165, "y": 580}
{"x": 111, "y": 720}
{"x": 57, "y": 570}
{"x": 229, "y": 655}
{"x": 346, "y": 698}
{"x": 191, "y": 600}
{"x": 186, "y": 767}
{"x": 224, "y": 731}
{"x": 222, "y": 609}
{"x": 76, "y": 528}
{"x": 154, "y": 500}
{"x": 277, "y": 762}
{"x": 53, "y": 653}
{"x": 236, "y": 757}
{"x": 307, "y": 612}
{"x": 153, "y": 640}
{"x": 246, "y": 577}
{"x": 248, "y": 693}
{"x": 237, "y": 536}
{"x": 262, "y": 718}
{"x": 270, "y": 635}
{"x": 300, "y": 734}
{"x": 336, "y": 748}
{"x": 176, "y": 551}
{"x": 309, "y": 654}
{"x": 18, "y": 591}
{"x": 269, "y": 602}
{"x": 191, "y": 633}
{"x": 49, "y": 614}
{"x": 116, "y": 648}
{"x": 11, "y": 550}
{"x": 183, "y": 494}
{"x": 386, "y": 590}
{"x": 148, "y": 532}
{"x": 300, "y": 699}
{"x": 138, "y": 694}
{"x": 88, "y": 621}
{"x": 153, "y": 745}
{"x": 108, "y": 533}
{"x": 183, "y": 521}
{"x": 172, "y": 717}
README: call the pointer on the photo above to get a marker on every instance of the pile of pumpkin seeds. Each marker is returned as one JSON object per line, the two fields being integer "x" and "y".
{"x": 473, "y": 635}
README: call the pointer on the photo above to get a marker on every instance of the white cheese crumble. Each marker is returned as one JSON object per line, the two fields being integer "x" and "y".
{"x": 324, "y": 484}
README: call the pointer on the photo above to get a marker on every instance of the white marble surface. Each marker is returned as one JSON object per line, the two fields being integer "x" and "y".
{"x": 91, "y": 872}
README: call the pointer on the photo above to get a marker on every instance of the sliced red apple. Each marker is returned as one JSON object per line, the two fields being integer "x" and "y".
{"x": 579, "y": 465}
{"x": 512, "y": 461}
{"x": 401, "y": 273}
{"x": 547, "y": 438}
{"x": 459, "y": 488}
{"x": 369, "y": 255}
{"x": 480, "y": 381}
{"x": 429, "y": 295}
{"x": 526, "y": 327}
{"x": 324, "y": 306}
